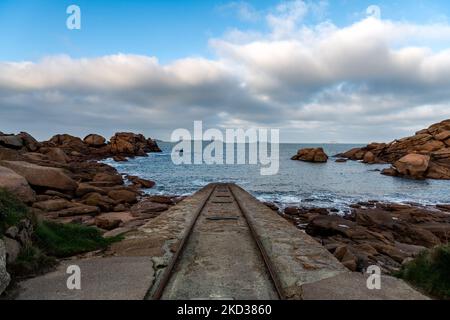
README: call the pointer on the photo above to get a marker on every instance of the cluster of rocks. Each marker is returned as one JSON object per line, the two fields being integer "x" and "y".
{"x": 387, "y": 235}
{"x": 311, "y": 155}
{"x": 424, "y": 155}
{"x": 59, "y": 181}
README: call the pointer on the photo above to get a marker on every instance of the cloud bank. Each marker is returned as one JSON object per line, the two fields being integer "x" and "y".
{"x": 372, "y": 80}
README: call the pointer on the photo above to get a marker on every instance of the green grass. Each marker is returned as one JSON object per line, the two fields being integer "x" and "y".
{"x": 430, "y": 271}
{"x": 50, "y": 240}
{"x": 65, "y": 240}
{"x": 12, "y": 210}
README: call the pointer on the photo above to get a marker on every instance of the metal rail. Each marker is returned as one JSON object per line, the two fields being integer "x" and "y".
{"x": 262, "y": 250}
{"x": 169, "y": 269}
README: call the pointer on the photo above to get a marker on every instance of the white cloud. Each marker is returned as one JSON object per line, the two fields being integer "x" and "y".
{"x": 372, "y": 80}
{"x": 244, "y": 11}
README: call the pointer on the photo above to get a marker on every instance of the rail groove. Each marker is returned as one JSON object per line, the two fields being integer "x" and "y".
{"x": 220, "y": 188}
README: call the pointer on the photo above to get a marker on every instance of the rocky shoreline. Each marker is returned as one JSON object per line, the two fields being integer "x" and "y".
{"x": 60, "y": 180}
{"x": 374, "y": 233}
{"x": 426, "y": 155}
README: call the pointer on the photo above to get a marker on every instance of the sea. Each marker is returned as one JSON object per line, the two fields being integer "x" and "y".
{"x": 326, "y": 185}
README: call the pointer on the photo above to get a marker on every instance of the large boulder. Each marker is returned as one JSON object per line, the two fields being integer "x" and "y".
{"x": 39, "y": 176}
{"x": 79, "y": 210}
{"x": 123, "y": 196}
{"x": 103, "y": 202}
{"x": 141, "y": 183}
{"x": 413, "y": 165}
{"x": 16, "y": 184}
{"x": 11, "y": 141}
{"x": 311, "y": 155}
{"x": 53, "y": 205}
{"x": 432, "y": 142}
{"x": 127, "y": 143}
{"x": 29, "y": 142}
{"x": 4, "y": 276}
{"x": 107, "y": 179}
{"x": 68, "y": 143}
{"x": 57, "y": 155}
{"x": 95, "y": 140}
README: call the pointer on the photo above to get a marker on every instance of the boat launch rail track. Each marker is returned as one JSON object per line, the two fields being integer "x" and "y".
{"x": 220, "y": 255}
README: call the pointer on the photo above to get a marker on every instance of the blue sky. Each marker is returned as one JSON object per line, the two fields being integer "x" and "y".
{"x": 319, "y": 71}
{"x": 32, "y": 29}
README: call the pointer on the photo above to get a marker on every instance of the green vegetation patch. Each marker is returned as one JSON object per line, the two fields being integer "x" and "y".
{"x": 30, "y": 262}
{"x": 65, "y": 240}
{"x": 430, "y": 271}
{"x": 12, "y": 210}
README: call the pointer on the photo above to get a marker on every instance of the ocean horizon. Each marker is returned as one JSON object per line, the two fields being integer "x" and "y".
{"x": 330, "y": 185}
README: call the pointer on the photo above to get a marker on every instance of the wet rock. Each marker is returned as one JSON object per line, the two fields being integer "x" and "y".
{"x": 272, "y": 206}
{"x": 16, "y": 184}
{"x": 141, "y": 183}
{"x": 48, "y": 177}
{"x": 413, "y": 165}
{"x": 120, "y": 159}
{"x": 341, "y": 160}
{"x": 389, "y": 172}
{"x": 292, "y": 211}
{"x": 311, "y": 155}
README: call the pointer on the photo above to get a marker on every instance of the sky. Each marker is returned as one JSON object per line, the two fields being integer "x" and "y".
{"x": 320, "y": 71}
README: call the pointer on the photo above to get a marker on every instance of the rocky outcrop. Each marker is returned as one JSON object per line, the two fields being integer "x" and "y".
{"x": 311, "y": 155}
{"x": 4, "y": 276}
{"x": 412, "y": 165}
{"x": 130, "y": 144}
{"x": 95, "y": 140}
{"x": 59, "y": 181}
{"x": 405, "y": 154}
{"x": 21, "y": 141}
{"x": 375, "y": 233}
{"x": 16, "y": 184}
{"x": 39, "y": 176}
